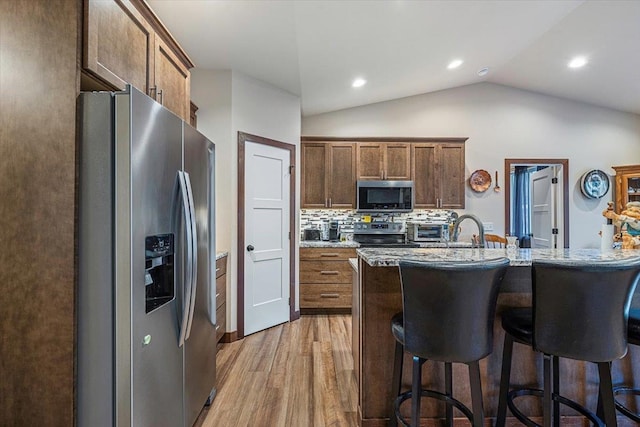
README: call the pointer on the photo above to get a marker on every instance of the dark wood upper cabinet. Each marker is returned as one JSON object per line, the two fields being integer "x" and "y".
{"x": 384, "y": 160}
{"x": 125, "y": 42}
{"x": 328, "y": 175}
{"x": 438, "y": 175}
{"x": 172, "y": 80}
{"x": 331, "y": 166}
{"x": 117, "y": 43}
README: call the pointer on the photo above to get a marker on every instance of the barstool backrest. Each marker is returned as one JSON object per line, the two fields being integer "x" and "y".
{"x": 581, "y": 308}
{"x": 449, "y": 308}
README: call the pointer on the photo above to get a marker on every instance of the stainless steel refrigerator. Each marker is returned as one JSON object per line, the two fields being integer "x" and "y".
{"x": 146, "y": 340}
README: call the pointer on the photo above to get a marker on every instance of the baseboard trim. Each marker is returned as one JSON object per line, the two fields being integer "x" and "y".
{"x": 229, "y": 337}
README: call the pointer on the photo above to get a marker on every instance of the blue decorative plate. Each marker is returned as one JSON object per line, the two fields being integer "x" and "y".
{"x": 594, "y": 184}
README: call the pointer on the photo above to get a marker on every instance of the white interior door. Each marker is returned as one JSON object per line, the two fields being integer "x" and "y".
{"x": 543, "y": 209}
{"x": 266, "y": 255}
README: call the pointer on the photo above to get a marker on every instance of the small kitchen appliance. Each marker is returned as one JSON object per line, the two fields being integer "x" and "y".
{"x": 427, "y": 231}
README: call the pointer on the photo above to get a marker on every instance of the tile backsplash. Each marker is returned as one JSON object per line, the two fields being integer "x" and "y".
{"x": 311, "y": 218}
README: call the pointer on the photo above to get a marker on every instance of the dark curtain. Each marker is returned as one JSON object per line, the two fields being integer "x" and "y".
{"x": 521, "y": 201}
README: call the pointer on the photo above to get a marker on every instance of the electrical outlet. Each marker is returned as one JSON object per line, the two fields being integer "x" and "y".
{"x": 488, "y": 226}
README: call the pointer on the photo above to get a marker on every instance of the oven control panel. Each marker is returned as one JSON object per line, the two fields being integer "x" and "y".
{"x": 379, "y": 227}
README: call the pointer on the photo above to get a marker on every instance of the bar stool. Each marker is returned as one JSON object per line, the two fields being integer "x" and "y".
{"x": 580, "y": 311}
{"x": 633, "y": 336}
{"x": 448, "y": 314}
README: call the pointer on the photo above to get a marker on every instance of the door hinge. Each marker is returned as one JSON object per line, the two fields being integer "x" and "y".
{"x": 554, "y": 180}
{"x": 289, "y": 235}
{"x": 291, "y": 169}
{"x": 554, "y": 231}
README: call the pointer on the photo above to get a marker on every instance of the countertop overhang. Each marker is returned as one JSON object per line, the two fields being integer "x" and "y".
{"x": 389, "y": 257}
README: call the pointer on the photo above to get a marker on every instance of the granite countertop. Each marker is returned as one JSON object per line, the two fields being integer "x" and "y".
{"x": 382, "y": 257}
{"x": 352, "y": 244}
{"x": 354, "y": 263}
{"x": 221, "y": 254}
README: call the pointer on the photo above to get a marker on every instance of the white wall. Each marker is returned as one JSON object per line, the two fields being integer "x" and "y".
{"x": 230, "y": 102}
{"x": 503, "y": 122}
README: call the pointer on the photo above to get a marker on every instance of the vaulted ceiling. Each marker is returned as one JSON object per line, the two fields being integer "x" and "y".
{"x": 315, "y": 49}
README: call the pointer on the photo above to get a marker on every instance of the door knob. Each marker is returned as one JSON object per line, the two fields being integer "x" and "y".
{"x": 250, "y": 248}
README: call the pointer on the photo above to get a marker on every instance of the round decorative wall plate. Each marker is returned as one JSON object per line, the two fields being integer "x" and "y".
{"x": 480, "y": 181}
{"x": 594, "y": 184}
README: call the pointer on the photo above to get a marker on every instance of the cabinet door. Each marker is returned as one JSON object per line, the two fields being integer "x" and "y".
{"x": 342, "y": 175}
{"x": 313, "y": 183}
{"x": 370, "y": 157}
{"x": 397, "y": 161}
{"x": 172, "y": 80}
{"x": 118, "y": 43}
{"x": 424, "y": 175}
{"x": 451, "y": 176}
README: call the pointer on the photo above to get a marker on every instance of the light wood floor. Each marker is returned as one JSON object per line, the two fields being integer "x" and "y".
{"x": 298, "y": 374}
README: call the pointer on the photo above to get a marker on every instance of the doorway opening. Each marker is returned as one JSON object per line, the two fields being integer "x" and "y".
{"x": 553, "y": 214}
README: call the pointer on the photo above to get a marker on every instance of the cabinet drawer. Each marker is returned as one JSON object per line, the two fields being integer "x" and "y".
{"x": 327, "y": 253}
{"x": 221, "y": 321}
{"x": 221, "y": 290}
{"x": 325, "y": 296}
{"x": 325, "y": 272}
{"x": 221, "y": 266}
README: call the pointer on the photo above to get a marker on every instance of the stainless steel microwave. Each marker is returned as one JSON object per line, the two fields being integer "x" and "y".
{"x": 427, "y": 232}
{"x": 384, "y": 196}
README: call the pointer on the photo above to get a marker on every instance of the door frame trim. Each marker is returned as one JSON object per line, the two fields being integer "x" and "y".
{"x": 242, "y": 139}
{"x": 508, "y": 163}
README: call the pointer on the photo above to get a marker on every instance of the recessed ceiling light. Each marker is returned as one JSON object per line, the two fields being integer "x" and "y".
{"x": 454, "y": 64}
{"x": 359, "y": 82}
{"x": 577, "y": 62}
{"x": 483, "y": 71}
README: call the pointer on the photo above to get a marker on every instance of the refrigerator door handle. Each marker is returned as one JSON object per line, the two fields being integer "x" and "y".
{"x": 187, "y": 285}
{"x": 194, "y": 252}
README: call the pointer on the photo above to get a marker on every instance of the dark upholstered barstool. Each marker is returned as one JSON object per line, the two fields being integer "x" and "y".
{"x": 633, "y": 336}
{"x": 580, "y": 311}
{"x": 448, "y": 312}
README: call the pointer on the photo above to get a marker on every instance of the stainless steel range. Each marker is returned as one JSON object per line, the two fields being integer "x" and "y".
{"x": 381, "y": 234}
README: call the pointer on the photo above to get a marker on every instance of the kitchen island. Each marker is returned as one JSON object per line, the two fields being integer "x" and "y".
{"x": 377, "y": 297}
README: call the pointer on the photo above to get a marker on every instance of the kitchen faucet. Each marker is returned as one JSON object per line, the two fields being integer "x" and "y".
{"x": 475, "y": 219}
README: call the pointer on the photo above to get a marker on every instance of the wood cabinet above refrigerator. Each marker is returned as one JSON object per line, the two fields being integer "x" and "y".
{"x": 125, "y": 42}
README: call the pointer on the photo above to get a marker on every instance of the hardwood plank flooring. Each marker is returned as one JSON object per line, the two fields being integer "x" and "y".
{"x": 297, "y": 374}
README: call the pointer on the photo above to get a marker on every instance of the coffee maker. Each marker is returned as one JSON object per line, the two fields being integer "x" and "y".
{"x": 334, "y": 231}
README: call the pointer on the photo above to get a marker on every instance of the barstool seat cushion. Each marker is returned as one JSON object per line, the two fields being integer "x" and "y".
{"x": 397, "y": 327}
{"x": 518, "y": 322}
{"x": 633, "y": 331}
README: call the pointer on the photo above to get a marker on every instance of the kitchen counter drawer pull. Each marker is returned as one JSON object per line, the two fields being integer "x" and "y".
{"x": 329, "y": 254}
{"x": 329, "y": 295}
{"x": 330, "y": 273}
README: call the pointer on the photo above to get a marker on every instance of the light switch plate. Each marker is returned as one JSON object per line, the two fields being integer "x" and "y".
{"x": 488, "y": 226}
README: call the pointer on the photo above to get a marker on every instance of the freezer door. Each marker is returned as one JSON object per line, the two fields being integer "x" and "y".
{"x": 149, "y": 150}
{"x": 200, "y": 346}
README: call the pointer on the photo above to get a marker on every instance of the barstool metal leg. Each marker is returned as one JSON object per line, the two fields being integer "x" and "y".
{"x": 416, "y": 391}
{"x": 448, "y": 386}
{"x": 476, "y": 394}
{"x": 556, "y": 390}
{"x": 396, "y": 381}
{"x": 547, "y": 400}
{"x": 505, "y": 378}
{"x": 606, "y": 394}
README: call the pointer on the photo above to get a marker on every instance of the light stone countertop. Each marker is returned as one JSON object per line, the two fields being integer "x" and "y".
{"x": 352, "y": 244}
{"x": 221, "y": 254}
{"x": 383, "y": 257}
{"x": 354, "y": 263}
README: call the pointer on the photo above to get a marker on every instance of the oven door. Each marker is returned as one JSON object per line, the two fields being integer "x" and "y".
{"x": 430, "y": 233}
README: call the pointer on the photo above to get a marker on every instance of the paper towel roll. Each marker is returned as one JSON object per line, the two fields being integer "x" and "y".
{"x": 606, "y": 243}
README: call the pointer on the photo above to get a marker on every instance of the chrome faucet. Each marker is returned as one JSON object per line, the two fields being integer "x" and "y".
{"x": 456, "y": 227}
